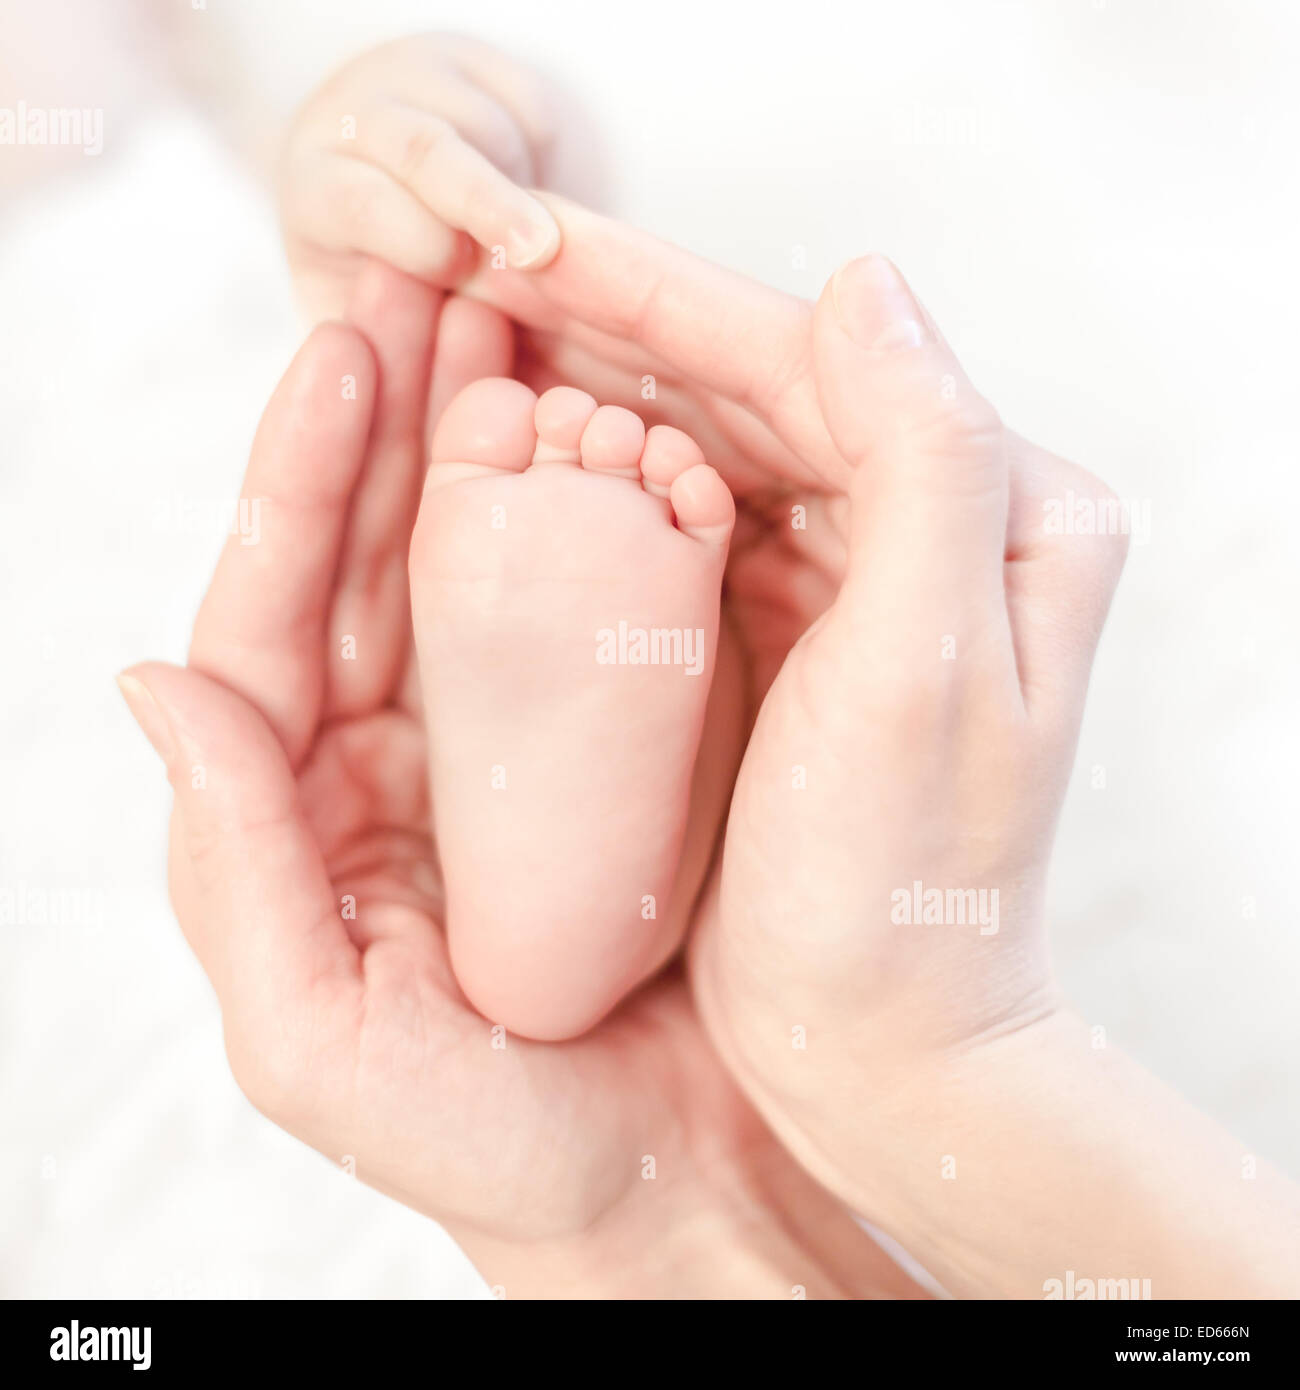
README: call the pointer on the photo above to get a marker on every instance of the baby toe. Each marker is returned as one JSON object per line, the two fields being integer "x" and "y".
{"x": 612, "y": 443}
{"x": 667, "y": 454}
{"x": 703, "y": 505}
{"x": 486, "y": 428}
{"x": 561, "y": 417}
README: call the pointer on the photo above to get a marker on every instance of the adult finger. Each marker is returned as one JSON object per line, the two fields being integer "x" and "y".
{"x": 929, "y": 490}
{"x": 474, "y": 341}
{"x": 249, "y": 884}
{"x": 929, "y": 452}
{"x": 1067, "y": 540}
{"x": 262, "y": 626}
{"x": 370, "y": 625}
{"x": 718, "y": 330}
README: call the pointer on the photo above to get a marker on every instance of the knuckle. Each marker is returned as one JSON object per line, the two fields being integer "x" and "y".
{"x": 953, "y": 438}
{"x": 1116, "y": 544}
{"x": 967, "y": 424}
{"x": 421, "y": 145}
{"x": 1111, "y": 528}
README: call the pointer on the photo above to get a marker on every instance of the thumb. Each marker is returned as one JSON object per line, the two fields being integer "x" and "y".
{"x": 930, "y": 482}
{"x": 248, "y": 881}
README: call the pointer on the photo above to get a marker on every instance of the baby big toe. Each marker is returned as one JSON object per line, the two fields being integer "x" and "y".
{"x": 487, "y": 428}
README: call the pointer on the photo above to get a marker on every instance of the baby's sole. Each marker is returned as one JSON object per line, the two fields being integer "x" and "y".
{"x": 566, "y": 569}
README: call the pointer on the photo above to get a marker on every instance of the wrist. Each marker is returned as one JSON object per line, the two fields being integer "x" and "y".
{"x": 1046, "y": 1153}
{"x": 756, "y": 1227}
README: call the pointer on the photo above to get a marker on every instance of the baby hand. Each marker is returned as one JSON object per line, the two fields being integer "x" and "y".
{"x": 411, "y": 154}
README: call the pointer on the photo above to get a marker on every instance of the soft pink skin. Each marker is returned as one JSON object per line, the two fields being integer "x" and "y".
{"x": 413, "y": 152}
{"x": 925, "y": 520}
{"x": 351, "y": 1032}
{"x": 549, "y": 868}
{"x": 347, "y": 1040}
{"x": 356, "y": 1036}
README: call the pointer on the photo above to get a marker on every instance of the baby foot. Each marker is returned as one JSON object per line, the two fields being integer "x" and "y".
{"x": 566, "y": 569}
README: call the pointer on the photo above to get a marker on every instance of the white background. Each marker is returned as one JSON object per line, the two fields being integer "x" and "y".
{"x": 1097, "y": 200}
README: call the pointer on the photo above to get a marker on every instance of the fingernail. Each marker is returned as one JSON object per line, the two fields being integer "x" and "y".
{"x": 531, "y": 240}
{"x": 148, "y": 714}
{"x": 875, "y": 307}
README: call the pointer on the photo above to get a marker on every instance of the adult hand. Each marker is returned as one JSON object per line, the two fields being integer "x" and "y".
{"x": 933, "y": 1043}
{"x": 304, "y": 876}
